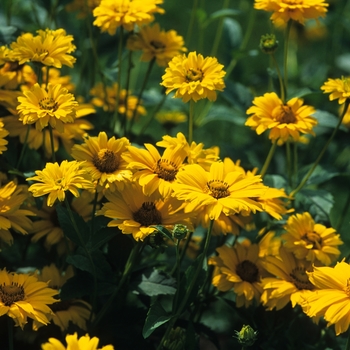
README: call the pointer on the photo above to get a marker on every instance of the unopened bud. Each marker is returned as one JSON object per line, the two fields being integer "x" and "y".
{"x": 246, "y": 336}
{"x": 268, "y": 43}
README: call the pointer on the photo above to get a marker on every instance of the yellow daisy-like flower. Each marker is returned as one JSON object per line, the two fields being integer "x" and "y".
{"x": 154, "y": 171}
{"x": 156, "y": 44}
{"x": 311, "y": 241}
{"x": 296, "y": 10}
{"x": 55, "y": 107}
{"x": 49, "y": 47}
{"x": 55, "y": 180}
{"x": 23, "y": 296}
{"x": 83, "y": 343}
{"x": 284, "y": 121}
{"x": 111, "y": 14}
{"x": 3, "y": 134}
{"x": 171, "y": 118}
{"x": 291, "y": 283}
{"x": 331, "y": 298}
{"x": 238, "y": 268}
{"x": 135, "y": 213}
{"x": 12, "y": 217}
{"x": 339, "y": 89}
{"x": 194, "y": 77}
{"x": 102, "y": 159}
{"x": 229, "y": 193}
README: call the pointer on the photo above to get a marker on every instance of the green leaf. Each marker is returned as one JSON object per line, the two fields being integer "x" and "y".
{"x": 164, "y": 231}
{"x": 156, "y": 282}
{"x": 224, "y": 113}
{"x": 238, "y": 96}
{"x": 220, "y": 14}
{"x": 232, "y": 33}
{"x": 319, "y": 175}
{"x": 276, "y": 181}
{"x": 156, "y": 317}
{"x": 326, "y": 121}
{"x": 78, "y": 286}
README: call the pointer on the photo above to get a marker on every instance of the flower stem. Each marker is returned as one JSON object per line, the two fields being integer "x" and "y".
{"x": 218, "y": 35}
{"x": 309, "y": 173}
{"x": 94, "y": 204}
{"x": 191, "y": 122}
{"x": 10, "y": 332}
{"x": 190, "y": 27}
{"x": 268, "y": 158}
{"x": 24, "y": 147}
{"x": 289, "y": 162}
{"x": 285, "y": 58}
{"x": 280, "y": 79}
{"x": 52, "y": 144}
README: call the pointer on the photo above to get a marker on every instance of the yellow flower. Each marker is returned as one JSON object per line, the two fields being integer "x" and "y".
{"x": 238, "y": 268}
{"x": 194, "y": 77}
{"x": 273, "y": 203}
{"x": 296, "y": 10}
{"x": 229, "y": 193}
{"x": 108, "y": 103}
{"x": 23, "y": 296}
{"x": 339, "y": 89}
{"x": 269, "y": 244}
{"x": 135, "y": 213}
{"x": 156, "y": 44}
{"x": 291, "y": 283}
{"x": 103, "y": 161}
{"x": 284, "y": 121}
{"x": 49, "y": 47}
{"x": 171, "y": 118}
{"x": 3, "y": 134}
{"x": 55, "y": 180}
{"x": 346, "y": 118}
{"x": 311, "y": 241}
{"x": 11, "y": 215}
{"x": 111, "y": 14}
{"x": 55, "y": 107}
{"x": 331, "y": 298}
{"x": 155, "y": 171}
{"x": 83, "y": 343}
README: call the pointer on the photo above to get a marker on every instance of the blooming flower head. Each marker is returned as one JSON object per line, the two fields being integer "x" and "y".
{"x": 285, "y": 121}
{"x": 157, "y": 44}
{"x": 311, "y": 241}
{"x": 23, "y": 296}
{"x": 3, "y": 134}
{"x": 339, "y": 89}
{"x": 111, "y": 14}
{"x": 56, "y": 106}
{"x": 331, "y": 297}
{"x": 102, "y": 159}
{"x": 238, "y": 268}
{"x": 83, "y": 343}
{"x": 56, "y": 179}
{"x": 296, "y": 10}
{"x": 49, "y": 47}
{"x": 229, "y": 193}
{"x": 135, "y": 213}
{"x": 194, "y": 77}
{"x": 12, "y": 216}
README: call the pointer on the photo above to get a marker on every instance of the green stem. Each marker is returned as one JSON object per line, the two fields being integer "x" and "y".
{"x": 289, "y": 162}
{"x": 307, "y": 176}
{"x": 280, "y": 79}
{"x": 295, "y": 162}
{"x": 191, "y": 122}
{"x": 52, "y": 144}
{"x": 285, "y": 58}
{"x": 219, "y": 29}
{"x": 94, "y": 204}
{"x": 347, "y": 346}
{"x": 23, "y": 147}
{"x": 187, "y": 242}
{"x": 10, "y": 332}
{"x": 342, "y": 216}
{"x": 268, "y": 158}
{"x": 190, "y": 27}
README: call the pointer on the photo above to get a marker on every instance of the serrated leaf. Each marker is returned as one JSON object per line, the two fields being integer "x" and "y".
{"x": 156, "y": 317}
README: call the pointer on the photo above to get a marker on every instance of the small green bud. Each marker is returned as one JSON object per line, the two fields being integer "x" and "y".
{"x": 268, "y": 43}
{"x": 180, "y": 231}
{"x": 246, "y": 336}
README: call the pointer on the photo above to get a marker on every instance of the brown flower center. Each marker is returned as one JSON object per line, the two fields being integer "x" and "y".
{"x": 166, "y": 169}
{"x": 300, "y": 278}
{"x": 48, "y": 103}
{"x": 148, "y": 215}
{"x": 106, "y": 161}
{"x": 314, "y": 239}
{"x": 293, "y": 2}
{"x": 217, "y": 189}
{"x": 347, "y": 288}
{"x": 194, "y": 75}
{"x": 286, "y": 115}
{"x": 157, "y": 44}
{"x": 248, "y": 271}
{"x": 9, "y": 294}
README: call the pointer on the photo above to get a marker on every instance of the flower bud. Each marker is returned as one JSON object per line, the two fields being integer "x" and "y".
{"x": 268, "y": 43}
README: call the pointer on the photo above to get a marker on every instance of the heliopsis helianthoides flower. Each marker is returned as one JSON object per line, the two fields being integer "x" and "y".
{"x": 49, "y": 47}
{"x": 171, "y": 118}
{"x": 217, "y": 191}
{"x": 273, "y": 203}
{"x": 339, "y": 89}
{"x": 285, "y": 121}
{"x": 154, "y": 171}
{"x": 3, "y": 134}
{"x": 331, "y": 297}
{"x": 103, "y": 161}
{"x": 75, "y": 311}
{"x": 135, "y": 213}
{"x": 109, "y": 103}
{"x": 12, "y": 217}
{"x": 55, "y": 107}
{"x": 269, "y": 244}
{"x": 238, "y": 268}
{"x": 194, "y": 77}
{"x": 56, "y": 179}
{"x": 156, "y": 44}
{"x": 23, "y": 296}
{"x": 83, "y": 343}
{"x": 296, "y": 10}
{"x": 291, "y": 282}
{"x": 311, "y": 241}
{"x": 111, "y": 14}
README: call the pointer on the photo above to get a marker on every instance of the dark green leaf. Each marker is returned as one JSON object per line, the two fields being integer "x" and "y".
{"x": 232, "y": 33}
{"x": 101, "y": 237}
{"x": 319, "y": 175}
{"x": 156, "y": 316}
{"x": 224, "y": 113}
{"x": 80, "y": 285}
{"x": 7, "y": 34}
{"x": 326, "y": 120}
{"x": 220, "y": 14}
